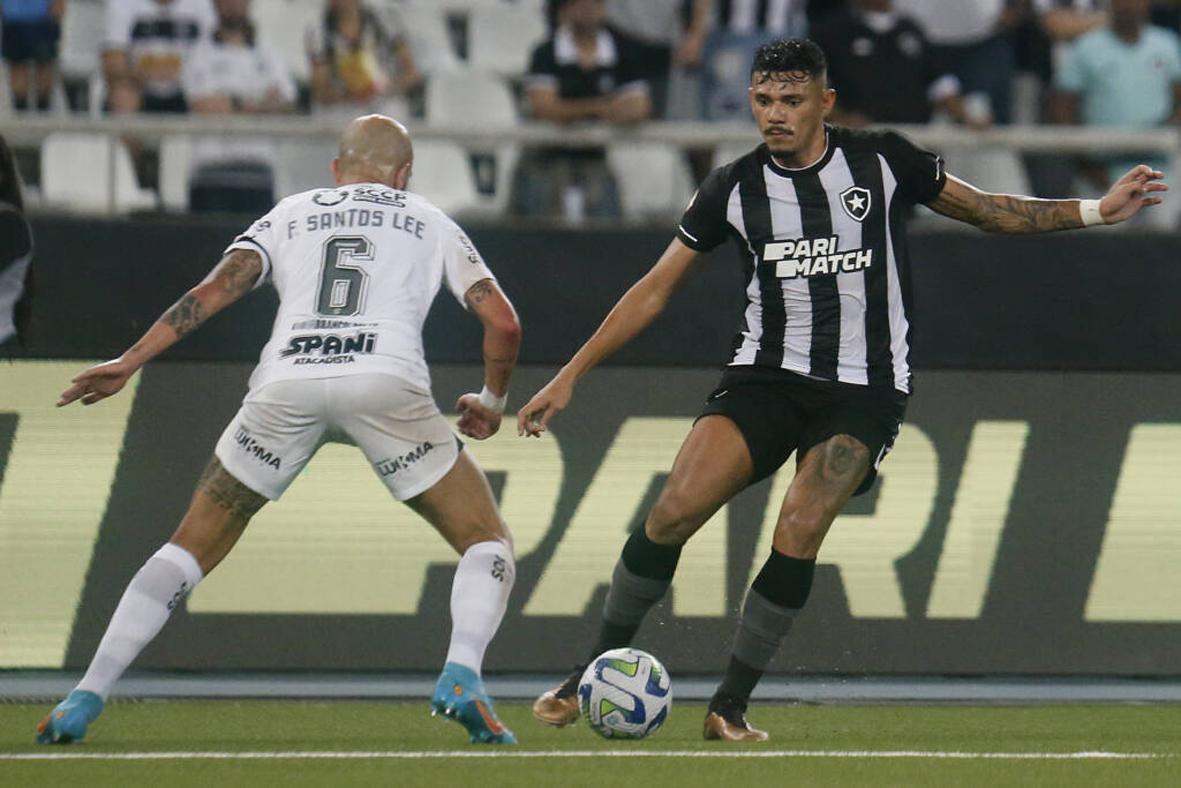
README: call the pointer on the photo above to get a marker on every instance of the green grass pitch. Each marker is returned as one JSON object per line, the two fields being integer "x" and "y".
{"x": 399, "y": 744}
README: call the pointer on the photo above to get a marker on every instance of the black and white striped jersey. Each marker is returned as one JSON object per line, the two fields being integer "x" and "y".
{"x": 827, "y": 271}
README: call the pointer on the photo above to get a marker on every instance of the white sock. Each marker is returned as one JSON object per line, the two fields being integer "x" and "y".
{"x": 160, "y": 584}
{"x": 479, "y": 596}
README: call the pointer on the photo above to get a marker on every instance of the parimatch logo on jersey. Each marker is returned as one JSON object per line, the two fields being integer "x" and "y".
{"x": 806, "y": 257}
{"x": 329, "y": 348}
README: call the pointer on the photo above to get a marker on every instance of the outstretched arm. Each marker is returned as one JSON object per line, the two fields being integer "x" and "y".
{"x": 233, "y": 277}
{"x": 1014, "y": 214}
{"x": 634, "y": 312}
{"x": 479, "y": 415}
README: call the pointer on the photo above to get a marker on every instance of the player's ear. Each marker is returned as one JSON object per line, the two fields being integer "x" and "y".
{"x": 828, "y": 100}
{"x": 402, "y": 176}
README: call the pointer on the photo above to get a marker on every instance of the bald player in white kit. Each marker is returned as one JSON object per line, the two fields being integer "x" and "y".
{"x": 356, "y": 268}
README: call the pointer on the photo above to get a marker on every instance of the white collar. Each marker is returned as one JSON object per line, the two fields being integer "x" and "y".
{"x": 566, "y": 51}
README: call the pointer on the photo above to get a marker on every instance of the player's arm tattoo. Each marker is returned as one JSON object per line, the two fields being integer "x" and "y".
{"x": 237, "y": 272}
{"x": 1005, "y": 213}
{"x": 477, "y": 293}
{"x": 229, "y": 493}
{"x": 185, "y": 315}
{"x": 230, "y": 280}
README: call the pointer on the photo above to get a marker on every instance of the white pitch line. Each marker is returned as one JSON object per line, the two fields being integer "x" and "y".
{"x": 439, "y": 755}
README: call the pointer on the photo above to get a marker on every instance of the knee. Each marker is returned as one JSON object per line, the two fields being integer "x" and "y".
{"x": 799, "y": 533}
{"x": 672, "y": 520}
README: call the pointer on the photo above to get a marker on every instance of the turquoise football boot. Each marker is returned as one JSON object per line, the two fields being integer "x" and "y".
{"x": 67, "y": 722}
{"x": 459, "y": 695}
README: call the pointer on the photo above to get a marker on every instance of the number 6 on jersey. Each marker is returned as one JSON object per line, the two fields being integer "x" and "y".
{"x": 342, "y": 286}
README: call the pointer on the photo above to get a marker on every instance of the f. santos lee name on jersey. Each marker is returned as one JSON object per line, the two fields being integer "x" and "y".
{"x": 825, "y": 256}
{"x": 356, "y": 268}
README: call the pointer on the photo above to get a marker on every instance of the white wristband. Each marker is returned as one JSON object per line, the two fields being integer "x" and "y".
{"x": 1090, "y": 213}
{"x": 491, "y": 401}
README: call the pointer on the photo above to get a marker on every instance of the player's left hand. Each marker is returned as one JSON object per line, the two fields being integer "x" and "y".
{"x": 475, "y": 420}
{"x": 99, "y": 382}
{"x": 1140, "y": 187}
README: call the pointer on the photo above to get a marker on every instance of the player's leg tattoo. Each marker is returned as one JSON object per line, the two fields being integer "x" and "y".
{"x": 826, "y": 478}
{"x": 230, "y": 494}
{"x": 221, "y": 508}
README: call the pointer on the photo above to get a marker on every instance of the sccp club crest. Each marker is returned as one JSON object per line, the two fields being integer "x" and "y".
{"x": 855, "y": 200}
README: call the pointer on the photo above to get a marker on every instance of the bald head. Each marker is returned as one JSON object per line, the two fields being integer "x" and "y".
{"x": 374, "y": 148}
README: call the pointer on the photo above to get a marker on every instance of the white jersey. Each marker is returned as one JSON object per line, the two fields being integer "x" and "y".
{"x": 357, "y": 268}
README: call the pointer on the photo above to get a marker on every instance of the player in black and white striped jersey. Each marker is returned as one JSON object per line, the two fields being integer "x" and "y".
{"x": 820, "y": 365}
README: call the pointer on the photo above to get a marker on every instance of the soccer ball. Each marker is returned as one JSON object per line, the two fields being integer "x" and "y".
{"x": 625, "y": 693}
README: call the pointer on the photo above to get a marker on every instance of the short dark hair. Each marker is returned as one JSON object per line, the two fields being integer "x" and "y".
{"x": 789, "y": 56}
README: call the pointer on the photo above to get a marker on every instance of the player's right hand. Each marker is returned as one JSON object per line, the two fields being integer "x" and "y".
{"x": 98, "y": 382}
{"x": 534, "y": 418}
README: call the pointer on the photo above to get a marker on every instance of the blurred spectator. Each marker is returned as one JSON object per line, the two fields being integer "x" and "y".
{"x": 147, "y": 42}
{"x": 882, "y": 69}
{"x": 361, "y": 60}
{"x": 820, "y": 10}
{"x": 29, "y": 43}
{"x": 232, "y": 74}
{"x": 16, "y": 249}
{"x": 739, "y": 27}
{"x": 584, "y": 73}
{"x": 970, "y": 38}
{"x": 1066, "y": 20}
{"x": 665, "y": 33}
{"x": 1125, "y": 75}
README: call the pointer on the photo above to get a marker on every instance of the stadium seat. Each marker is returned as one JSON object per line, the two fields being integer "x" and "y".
{"x": 443, "y": 174}
{"x": 426, "y": 28}
{"x": 76, "y": 171}
{"x": 81, "y": 39}
{"x": 653, "y": 178}
{"x": 470, "y": 98}
{"x": 501, "y": 39}
{"x": 284, "y": 25}
{"x": 176, "y": 154}
{"x": 991, "y": 169}
{"x": 303, "y": 164}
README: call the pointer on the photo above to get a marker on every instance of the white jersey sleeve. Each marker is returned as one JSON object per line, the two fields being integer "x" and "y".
{"x": 462, "y": 264}
{"x": 263, "y": 237}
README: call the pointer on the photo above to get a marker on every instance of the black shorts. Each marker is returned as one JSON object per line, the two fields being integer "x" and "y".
{"x": 779, "y": 412}
{"x": 22, "y": 42}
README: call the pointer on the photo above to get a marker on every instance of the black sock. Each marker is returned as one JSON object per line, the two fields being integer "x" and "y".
{"x": 784, "y": 580}
{"x": 739, "y": 681}
{"x": 646, "y": 558}
{"x": 775, "y": 598}
{"x": 43, "y": 103}
{"x": 20, "y": 103}
{"x": 641, "y": 578}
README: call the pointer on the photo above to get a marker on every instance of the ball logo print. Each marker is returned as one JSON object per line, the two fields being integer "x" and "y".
{"x": 625, "y": 693}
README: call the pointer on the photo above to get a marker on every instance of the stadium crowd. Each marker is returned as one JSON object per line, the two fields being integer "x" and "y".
{"x": 980, "y": 63}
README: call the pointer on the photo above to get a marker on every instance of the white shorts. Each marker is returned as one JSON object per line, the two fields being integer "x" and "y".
{"x": 395, "y": 423}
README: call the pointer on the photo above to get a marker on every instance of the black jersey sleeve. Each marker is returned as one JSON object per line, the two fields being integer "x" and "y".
{"x": 920, "y": 172}
{"x": 704, "y": 225}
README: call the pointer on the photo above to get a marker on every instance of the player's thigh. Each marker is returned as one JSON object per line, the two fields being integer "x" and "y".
{"x": 461, "y": 506}
{"x": 274, "y": 434}
{"x": 841, "y": 447}
{"x": 827, "y": 475}
{"x": 417, "y": 455}
{"x": 712, "y": 466}
{"x": 398, "y": 427}
{"x": 217, "y": 515}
